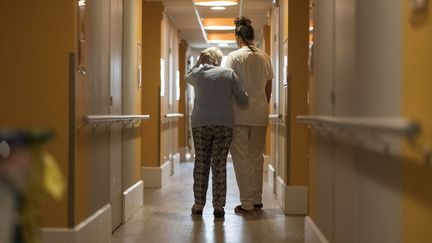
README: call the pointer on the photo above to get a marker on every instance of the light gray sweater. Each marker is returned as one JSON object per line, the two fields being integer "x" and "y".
{"x": 215, "y": 88}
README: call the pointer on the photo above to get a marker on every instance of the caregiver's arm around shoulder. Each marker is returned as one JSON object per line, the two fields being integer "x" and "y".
{"x": 238, "y": 90}
{"x": 270, "y": 75}
{"x": 268, "y": 90}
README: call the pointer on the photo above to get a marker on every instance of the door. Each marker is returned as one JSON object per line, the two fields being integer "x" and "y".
{"x": 93, "y": 159}
{"x": 116, "y": 143}
{"x": 174, "y": 97}
{"x": 131, "y": 100}
{"x": 275, "y": 100}
{"x": 164, "y": 93}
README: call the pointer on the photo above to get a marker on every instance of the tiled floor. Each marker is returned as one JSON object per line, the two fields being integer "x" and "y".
{"x": 166, "y": 217}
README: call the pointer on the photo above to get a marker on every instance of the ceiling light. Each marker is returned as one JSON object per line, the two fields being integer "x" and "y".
{"x": 223, "y": 44}
{"x": 218, "y": 23}
{"x": 221, "y": 38}
{"x": 215, "y": 3}
{"x": 81, "y": 3}
{"x": 218, "y": 8}
{"x": 219, "y": 42}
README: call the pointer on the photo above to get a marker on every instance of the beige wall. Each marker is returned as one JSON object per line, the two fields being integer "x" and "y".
{"x": 321, "y": 88}
{"x": 278, "y": 133}
{"x": 34, "y": 67}
{"x": 355, "y": 193}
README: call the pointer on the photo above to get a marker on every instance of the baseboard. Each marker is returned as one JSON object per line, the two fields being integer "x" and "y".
{"x": 166, "y": 169}
{"x": 133, "y": 200}
{"x": 312, "y": 233}
{"x": 156, "y": 177}
{"x": 292, "y": 199}
{"x": 267, "y": 159}
{"x": 95, "y": 229}
{"x": 176, "y": 163}
{"x": 270, "y": 177}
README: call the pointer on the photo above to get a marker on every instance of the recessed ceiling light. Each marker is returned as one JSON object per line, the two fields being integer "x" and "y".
{"x": 223, "y": 44}
{"x": 218, "y": 23}
{"x": 221, "y": 38}
{"x": 215, "y": 3}
{"x": 219, "y": 27}
{"x": 218, "y": 8}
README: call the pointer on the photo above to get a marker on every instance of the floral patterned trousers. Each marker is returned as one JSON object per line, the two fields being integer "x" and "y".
{"x": 212, "y": 144}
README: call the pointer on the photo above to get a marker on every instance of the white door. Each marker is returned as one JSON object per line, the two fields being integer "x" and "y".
{"x": 275, "y": 100}
{"x": 116, "y": 140}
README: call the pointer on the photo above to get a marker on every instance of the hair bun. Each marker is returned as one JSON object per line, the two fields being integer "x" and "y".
{"x": 242, "y": 21}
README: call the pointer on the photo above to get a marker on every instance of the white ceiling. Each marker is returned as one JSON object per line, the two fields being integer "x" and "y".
{"x": 182, "y": 12}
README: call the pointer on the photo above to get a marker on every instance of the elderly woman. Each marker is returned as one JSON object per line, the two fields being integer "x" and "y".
{"x": 212, "y": 123}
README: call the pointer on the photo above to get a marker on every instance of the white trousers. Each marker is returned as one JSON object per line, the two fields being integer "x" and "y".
{"x": 247, "y": 151}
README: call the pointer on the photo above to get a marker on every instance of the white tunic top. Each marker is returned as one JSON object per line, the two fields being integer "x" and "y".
{"x": 254, "y": 70}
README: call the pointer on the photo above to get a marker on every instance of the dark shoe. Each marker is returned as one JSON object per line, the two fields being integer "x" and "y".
{"x": 197, "y": 209}
{"x": 241, "y": 210}
{"x": 258, "y": 206}
{"x": 218, "y": 212}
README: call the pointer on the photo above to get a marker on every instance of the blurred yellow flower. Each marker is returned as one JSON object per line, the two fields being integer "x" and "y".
{"x": 53, "y": 178}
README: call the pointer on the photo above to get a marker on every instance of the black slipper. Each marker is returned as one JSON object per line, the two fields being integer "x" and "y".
{"x": 197, "y": 209}
{"x": 258, "y": 206}
{"x": 239, "y": 209}
{"x": 218, "y": 212}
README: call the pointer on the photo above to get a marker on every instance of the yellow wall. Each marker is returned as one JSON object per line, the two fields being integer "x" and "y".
{"x": 138, "y": 96}
{"x": 151, "y": 30}
{"x": 298, "y": 34}
{"x": 285, "y": 15}
{"x": 132, "y": 34}
{"x": 34, "y": 67}
{"x": 182, "y": 102}
{"x": 417, "y": 100}
{"x": 168, "y": 102}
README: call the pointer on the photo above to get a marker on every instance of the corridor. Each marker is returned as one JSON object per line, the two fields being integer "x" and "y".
{"x": 97, "y": 114}
{"x": 166, "y": 217}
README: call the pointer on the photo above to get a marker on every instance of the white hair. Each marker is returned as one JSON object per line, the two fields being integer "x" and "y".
{"x": 214, "y": 55}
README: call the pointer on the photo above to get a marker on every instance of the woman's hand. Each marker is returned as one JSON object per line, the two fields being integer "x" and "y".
{"x": 203, "y": 59}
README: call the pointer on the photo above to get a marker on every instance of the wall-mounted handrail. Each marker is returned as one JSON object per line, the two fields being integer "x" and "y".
{"x": 386, "y": 125}
{"x": 108, "y": 120}
{"x": 275, "y": 116}
{"x": 174, "y": 115}
{"x": 97, "y": 119}
{"x": 277, "y": 119}
{"x": 376, "y": 133}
